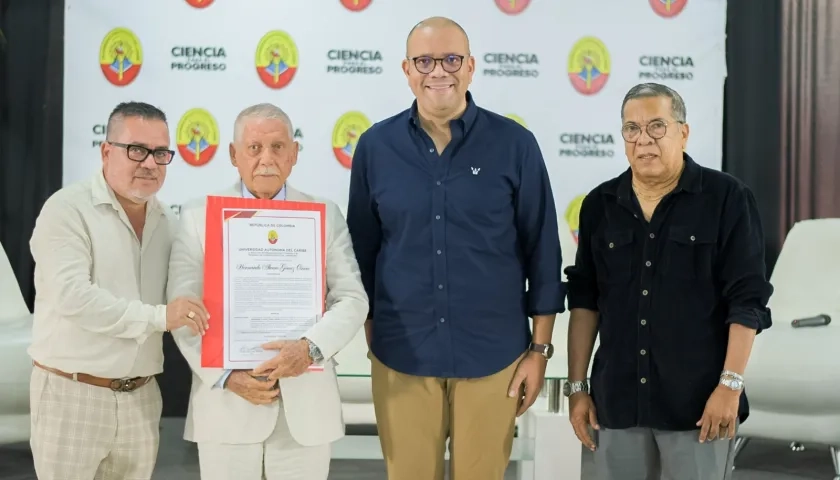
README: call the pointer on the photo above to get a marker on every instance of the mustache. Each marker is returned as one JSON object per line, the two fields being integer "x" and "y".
{"x": 145, "y": 173}
{"x": 266, "y": 171}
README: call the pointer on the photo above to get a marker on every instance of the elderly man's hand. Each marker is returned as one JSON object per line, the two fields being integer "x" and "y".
{"x": 256, "y": 391}
{"x": 293, "y": 359}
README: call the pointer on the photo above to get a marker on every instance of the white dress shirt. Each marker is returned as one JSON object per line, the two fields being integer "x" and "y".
{"x": 100, "y": 304}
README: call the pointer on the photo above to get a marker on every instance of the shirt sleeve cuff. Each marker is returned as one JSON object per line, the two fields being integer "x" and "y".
{"x": 160, "y": 318}
{"x": 582, "y": 298}
{"x": 221, "y": 382}
{"x": 754, "y": 318}
{"x": 547, "y": 299}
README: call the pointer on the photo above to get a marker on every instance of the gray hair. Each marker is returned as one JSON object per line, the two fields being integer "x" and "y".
{"x": 260, "y": 111}
{"x": 132, "y": 109}
{"x": 647, "y": 90}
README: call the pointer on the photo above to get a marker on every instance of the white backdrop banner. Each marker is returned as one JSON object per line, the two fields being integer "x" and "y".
{"x": 561, "y": 68}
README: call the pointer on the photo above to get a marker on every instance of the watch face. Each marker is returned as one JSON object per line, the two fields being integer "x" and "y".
{"x": 567, "y": 389}
{"x": 549, "y": 351}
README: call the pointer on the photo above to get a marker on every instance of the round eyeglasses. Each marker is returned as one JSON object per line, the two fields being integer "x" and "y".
{"x": 655, "y": 130}
{"x": 139, "y": 153}
{"x": 449, "y": 63}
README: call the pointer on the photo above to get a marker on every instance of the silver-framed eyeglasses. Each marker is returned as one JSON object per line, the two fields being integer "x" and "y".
{"x": 139, "y": 153}
{"x": 655, "y": 129}
{"x": 450, "y": 63}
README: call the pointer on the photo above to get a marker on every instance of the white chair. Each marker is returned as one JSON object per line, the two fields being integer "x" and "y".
{"x": 793, "y": 376}
{"x": 15, "y": 365}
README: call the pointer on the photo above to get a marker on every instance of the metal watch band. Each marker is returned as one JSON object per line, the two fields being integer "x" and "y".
{"x": 731, "y": 374}
{"x": 571, "y": 388}
{"x": 731, "y": 383}
{"x": 314, "y": 352}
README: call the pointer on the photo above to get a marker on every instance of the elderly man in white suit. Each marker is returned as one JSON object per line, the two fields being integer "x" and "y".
{"x": 248, "y": 425}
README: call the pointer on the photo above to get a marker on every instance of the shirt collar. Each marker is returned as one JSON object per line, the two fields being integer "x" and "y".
{"x": 467, "y": 119}
{"x": 103, "y": 194}
{"x": 281, "y": 195}
{"x": 690, "y": 181}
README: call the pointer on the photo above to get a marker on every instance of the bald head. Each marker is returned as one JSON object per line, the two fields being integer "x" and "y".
{"x": 432, "y": 25}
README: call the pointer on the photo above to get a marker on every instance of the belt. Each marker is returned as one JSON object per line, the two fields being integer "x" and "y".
{"x": 115, "y": 384}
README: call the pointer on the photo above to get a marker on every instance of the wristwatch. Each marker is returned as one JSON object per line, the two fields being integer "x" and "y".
{"x": 314, "y": 352}
{"x": 544, "y": 349}
{"x": 571, "y": 388}
{"x": 731, "y": 380}
{"x": 732, "y": 383}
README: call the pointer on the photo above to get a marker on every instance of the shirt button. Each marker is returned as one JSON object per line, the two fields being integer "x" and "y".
{"x": 437, "y": 217}
{"x": 643, "y": 380}
{"x": 442, "y": 319}
{"x": 438, "y": 252}
{"x": 431, "y": 150}
{"x": 612, "y": 245}
{"x": 643, "y": 322}
{"x": 647, "y": 264}
{"x": 652, "y": 236}
{"x": 438, "y": 182}
{"x": 644, "y": 292}
{"x": 643, "y": 351}
{"x": 692, "y": 238}
{"x": 440, "y": 287}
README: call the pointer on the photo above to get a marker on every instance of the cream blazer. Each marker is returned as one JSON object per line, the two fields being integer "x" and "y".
{"x": 311, "y": 401}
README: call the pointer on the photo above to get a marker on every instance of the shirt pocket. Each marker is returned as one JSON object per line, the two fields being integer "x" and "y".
{"x": 688, "y": 253}
{"x": 613, "y": 252}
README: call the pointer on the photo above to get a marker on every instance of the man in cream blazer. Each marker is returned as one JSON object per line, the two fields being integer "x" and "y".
{"x": 245, "y": 427}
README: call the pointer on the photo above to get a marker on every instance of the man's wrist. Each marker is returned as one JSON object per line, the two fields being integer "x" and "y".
{"x": 313, "y": 352}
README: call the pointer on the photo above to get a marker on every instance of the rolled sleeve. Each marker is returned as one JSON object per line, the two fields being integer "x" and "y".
{"x": 742, "y": 269}
{"x": 538, "y": 233}
{"x": 363, "y": 221}
{"x": 582, "y": 280}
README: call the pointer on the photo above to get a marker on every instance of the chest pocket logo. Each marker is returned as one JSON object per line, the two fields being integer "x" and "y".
{"x": 613, "y": 254}
{"x": 688, "y": 253}
{"x": 475, "y": 170}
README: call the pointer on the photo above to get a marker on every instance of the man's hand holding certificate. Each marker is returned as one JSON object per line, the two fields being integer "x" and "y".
{"x": 264, "y": 277}
{"x": 292, "y": 359}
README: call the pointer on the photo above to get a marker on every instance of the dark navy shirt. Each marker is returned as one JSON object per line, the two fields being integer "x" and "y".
{"x": 667, "y": 291}
{"x": 445, "y": 243}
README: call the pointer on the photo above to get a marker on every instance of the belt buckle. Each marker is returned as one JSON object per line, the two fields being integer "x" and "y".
{"x": 123, "y": 385}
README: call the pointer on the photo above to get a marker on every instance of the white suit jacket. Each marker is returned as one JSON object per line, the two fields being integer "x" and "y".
{"x": 311, "y": 401}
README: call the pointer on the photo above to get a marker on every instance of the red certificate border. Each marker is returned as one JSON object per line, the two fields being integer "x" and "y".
{"x": 212, "y": 343}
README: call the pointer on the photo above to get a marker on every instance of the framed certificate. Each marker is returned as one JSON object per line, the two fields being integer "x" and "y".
{"x": 264, "y": 277}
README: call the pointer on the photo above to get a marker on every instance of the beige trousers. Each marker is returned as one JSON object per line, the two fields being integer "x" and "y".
{"x": 83, "y": 432}
{"x": 416, "y": 415}
{"x": 280, "y": 457}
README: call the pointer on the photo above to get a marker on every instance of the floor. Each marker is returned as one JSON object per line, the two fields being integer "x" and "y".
{"x": 178, "y": 461}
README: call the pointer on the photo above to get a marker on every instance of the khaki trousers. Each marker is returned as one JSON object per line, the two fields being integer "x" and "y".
{"x": 416, "y": 415}
{"x": 83, "y": 432}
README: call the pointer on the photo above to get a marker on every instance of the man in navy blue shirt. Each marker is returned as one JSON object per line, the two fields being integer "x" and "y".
{"x": 450, "y": 213}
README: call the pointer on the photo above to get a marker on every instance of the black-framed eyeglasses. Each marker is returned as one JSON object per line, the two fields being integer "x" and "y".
{"x": 450, "y": 63}
{"x": 655, "y": 129}
{"x": 139, "y": 153}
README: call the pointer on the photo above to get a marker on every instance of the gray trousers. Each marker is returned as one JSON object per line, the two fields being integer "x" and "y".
{"x": 647, "y": 454}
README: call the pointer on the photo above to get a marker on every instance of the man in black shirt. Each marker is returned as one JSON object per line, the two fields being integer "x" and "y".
{"x": 670, "y": 273}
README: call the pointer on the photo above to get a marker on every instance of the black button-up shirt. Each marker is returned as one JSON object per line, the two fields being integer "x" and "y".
{"x": 445, "y": 243}
{"x": 666, "y": 292}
